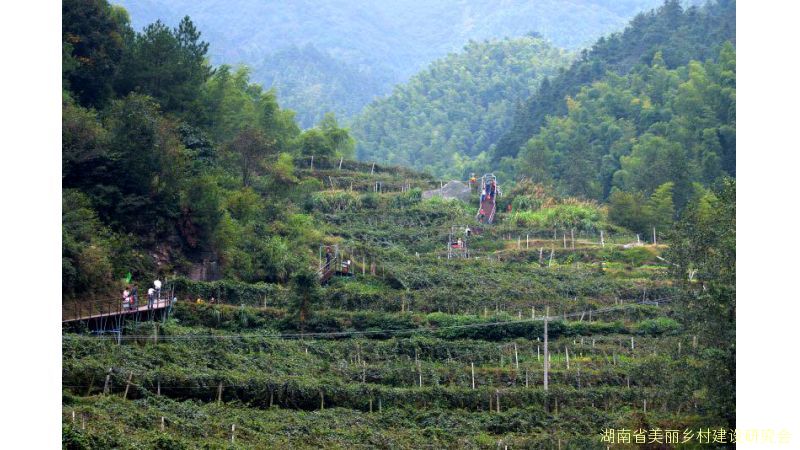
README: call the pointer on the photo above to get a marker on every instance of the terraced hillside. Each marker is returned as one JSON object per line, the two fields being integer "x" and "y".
{"x": 414, "y": 351}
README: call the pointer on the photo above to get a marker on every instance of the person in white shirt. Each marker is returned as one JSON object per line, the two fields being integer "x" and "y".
{"x": 150, "y": 297}
{"x": 157, "y": 285}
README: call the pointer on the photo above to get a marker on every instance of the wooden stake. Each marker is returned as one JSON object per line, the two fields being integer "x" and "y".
{"x": 233, "y": 432}
{"x": 526, "y": 377}
{"x": 546, "y": 355}
{"x": 602, "y": 241}
{"x": 321, "y": 400}
{"x": 107, "y": 385}
{"x": 127, "y": 386}
{"x": 654, "y": 236}
{"x": 550, "y": 263}
{"x": 572, "y": 237}
{"x": 497, "y": 403}
{"x": 527, "y": 241}
{"x": 632, "y": 346}
{"x": 312, "y": 162}
{"x": 472, "y": 367}
{"x": 516, "y": 356}
{"x": 565, "y": 239}
{"x": 566, "y": 352}
{"x": 340, "y": 162}
{"x": 370, "y": 405}
{"x": 162, "y": 423}
{"x": 219, "y": 392}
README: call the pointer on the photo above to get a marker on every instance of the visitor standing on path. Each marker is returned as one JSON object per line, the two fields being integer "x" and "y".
{"x": 135, "y": 296}
{"x": 157, "y": 285}
{"x": 126, "y": 300}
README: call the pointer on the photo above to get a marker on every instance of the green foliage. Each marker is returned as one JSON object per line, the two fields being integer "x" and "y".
{"x": 339, "y": 56}
{"x": 639, "y": 132}
{"x": 661, "y": 325}
{"x": 201, "y": 213}
{"x": 678, "y": 34}
{"x": 334, "y": 201}
{"x": 406, "y": 199}
{"x": 141, "y": 186}
{"x": 93, "y": 36}
{"x": 578, "y": 215}
{"x": 85, "y": 253}
{"x": 207, "y": 170}
{"x": 457, "y": 108}
{"x": 632, "y": 211}
{"x": 168, "y": 65}
{"x": 703, "y": 251}
{"x": 326, "y": 140}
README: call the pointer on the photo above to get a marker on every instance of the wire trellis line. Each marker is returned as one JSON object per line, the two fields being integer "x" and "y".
{"x": 333, "y": 334}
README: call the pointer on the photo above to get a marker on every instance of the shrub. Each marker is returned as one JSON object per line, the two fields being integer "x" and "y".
{"x": 582, "y": 216}
{"x": 661, "y": 325}
{"x": 408, "y": 198}
{"x": 334, "y": 201}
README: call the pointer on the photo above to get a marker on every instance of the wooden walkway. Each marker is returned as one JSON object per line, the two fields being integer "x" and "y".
{"x": 74, "y": 312}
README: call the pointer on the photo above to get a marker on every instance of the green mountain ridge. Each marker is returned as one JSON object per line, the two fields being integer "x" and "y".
{"x": 383, "y": 42}
{"x": 602, "y": 298}
{"x": 680, "y": 34}
{"x": 456, "y": 109}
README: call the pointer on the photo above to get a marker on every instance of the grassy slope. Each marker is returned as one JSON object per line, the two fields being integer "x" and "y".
{"x": 272, "y": 388}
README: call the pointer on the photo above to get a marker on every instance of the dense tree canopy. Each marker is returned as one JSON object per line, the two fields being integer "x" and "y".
{"x": 456, "y": 109}
{"x": 653, "y": 132}
{"x": 339, "y": 55}
{"x": 680, "y": 35}
{"x": 163, "y": 155}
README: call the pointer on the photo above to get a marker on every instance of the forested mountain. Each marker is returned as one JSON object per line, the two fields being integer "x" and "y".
{"x": 679, "y": 34}
{"x": 374, "y": 44}
{"x": 655, "y": 133}
{"x": 166, "y": 155}
{"x": 315, "y": 301}
{"x": 456, "y": 109}
{"x": 313, "y": 83}
{"x": 646, "y": 137}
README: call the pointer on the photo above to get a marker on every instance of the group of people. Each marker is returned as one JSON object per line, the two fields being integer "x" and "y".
{"x": 461, "y": 243}
{"x": 329, "y": 256}
{"x": 130, "y": 296}
{"x": 489, "y": 191}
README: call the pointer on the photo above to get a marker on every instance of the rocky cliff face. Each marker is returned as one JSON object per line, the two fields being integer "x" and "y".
{"x": 453, "y": 189}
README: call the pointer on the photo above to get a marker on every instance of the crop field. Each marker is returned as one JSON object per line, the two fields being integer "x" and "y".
{"x": 416, "y": 350}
